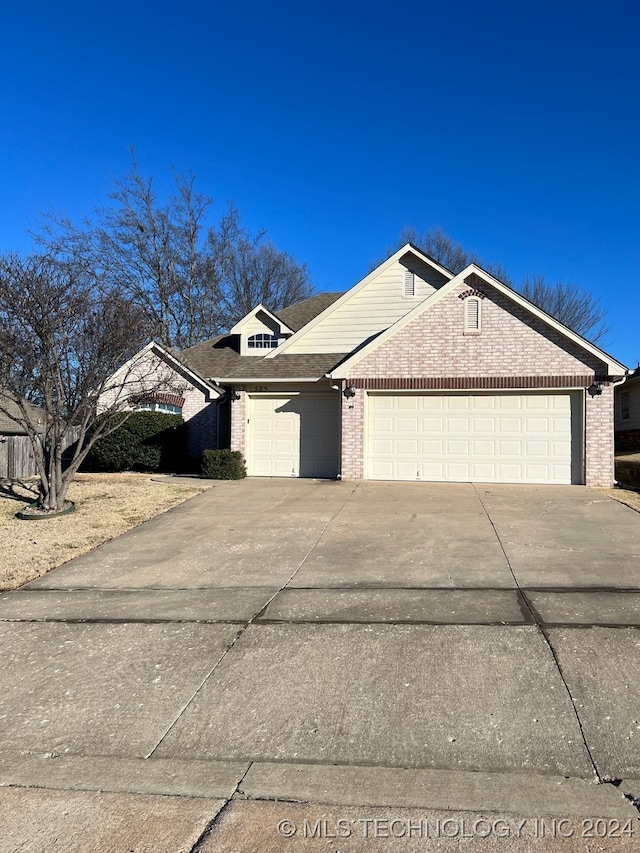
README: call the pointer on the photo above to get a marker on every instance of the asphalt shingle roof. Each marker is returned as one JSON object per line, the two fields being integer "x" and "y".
{"x": 298, "y": 315}
{"x": 219, "y": 358}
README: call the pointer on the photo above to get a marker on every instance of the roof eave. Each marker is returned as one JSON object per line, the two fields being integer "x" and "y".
{"x": 243, "y": 380}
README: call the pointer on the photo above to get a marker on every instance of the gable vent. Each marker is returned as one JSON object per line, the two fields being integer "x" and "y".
{"x": 409, "y": 283}
{"x": 472, "y": 314}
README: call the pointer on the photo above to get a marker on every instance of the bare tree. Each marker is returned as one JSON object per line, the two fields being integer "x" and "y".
{"x": 444, "y": 250}
{"x": 193, "y": 280}
{"x": 253, "y": 272}
{"x": 62, "y": 338}
{"x": 573, "y": 306}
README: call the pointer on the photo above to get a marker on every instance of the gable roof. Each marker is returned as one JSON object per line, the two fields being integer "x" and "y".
{"x": 407, "y": 249}
{"x": 220, "y": 361}
{"x": 219, "y": 358}
{"x": 613, "y": 366}
{"x": 234, "y": 330}
{"x": 174, "y": 360}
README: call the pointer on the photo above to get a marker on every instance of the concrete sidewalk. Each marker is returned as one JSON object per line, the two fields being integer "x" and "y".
{"x": 431, "y": 649}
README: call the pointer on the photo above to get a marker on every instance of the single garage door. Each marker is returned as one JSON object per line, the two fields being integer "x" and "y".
{"x": 490, "y": 438}
{"x": 293, "y": 435}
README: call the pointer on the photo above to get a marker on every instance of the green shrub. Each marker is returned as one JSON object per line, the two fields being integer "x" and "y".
{"x": 223, "y": 465}
{"x": 146, "y": 441}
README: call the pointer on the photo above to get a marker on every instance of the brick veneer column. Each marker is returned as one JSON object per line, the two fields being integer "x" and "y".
{"x": 239, "y": 423}
{"x": 353, "y": 436}
{"x": 599, "y": 439}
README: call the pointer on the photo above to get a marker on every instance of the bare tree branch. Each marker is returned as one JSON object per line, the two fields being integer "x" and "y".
{"x": 193, "y": 281}
{"x": 63, "y": 344}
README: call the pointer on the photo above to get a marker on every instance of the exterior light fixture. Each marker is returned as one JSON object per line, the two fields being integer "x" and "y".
{"x": 349, "y": 392}
{"x": 595, "y": 389}
{"x": 234, "y": 396}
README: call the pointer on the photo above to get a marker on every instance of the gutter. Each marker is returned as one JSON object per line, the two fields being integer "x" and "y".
{"x": 243, "y": 380}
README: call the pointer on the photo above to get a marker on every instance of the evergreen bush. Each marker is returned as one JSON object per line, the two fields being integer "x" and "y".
{"x": 146, "y": 441}
{"x": 223, "y": 465}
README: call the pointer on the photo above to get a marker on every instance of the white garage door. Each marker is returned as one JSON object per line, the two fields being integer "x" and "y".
{"x": 293, "y": 436}
{"x": 490, "y": 438}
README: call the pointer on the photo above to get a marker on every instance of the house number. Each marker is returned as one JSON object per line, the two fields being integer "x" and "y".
{"x": 258, "y": 388}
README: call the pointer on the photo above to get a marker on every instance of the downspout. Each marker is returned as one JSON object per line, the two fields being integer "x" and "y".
{"x": 615, "y": 381}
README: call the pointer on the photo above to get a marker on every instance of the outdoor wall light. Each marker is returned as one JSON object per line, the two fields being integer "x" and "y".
{"x": 234, "y": 396}
{"x": 349, "y": 392}
{"x": 595, "y": 390}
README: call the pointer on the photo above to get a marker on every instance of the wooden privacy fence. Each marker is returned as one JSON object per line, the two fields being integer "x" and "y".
{"x": 16, "y": 457}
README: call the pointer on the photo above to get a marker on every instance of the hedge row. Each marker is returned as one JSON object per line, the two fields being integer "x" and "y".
{"x": 146, "y": 441}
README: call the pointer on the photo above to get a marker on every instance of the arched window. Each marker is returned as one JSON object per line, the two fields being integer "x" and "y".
{"x": 262, "y": 341}
{"x": 472, "y": 314}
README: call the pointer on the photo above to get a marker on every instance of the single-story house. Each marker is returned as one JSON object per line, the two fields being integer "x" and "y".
{"x": 627, "y": 413}
{"x": 413, "y": 374}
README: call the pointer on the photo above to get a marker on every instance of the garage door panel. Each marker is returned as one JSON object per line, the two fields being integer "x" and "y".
{"x": 293, "y": 435}
{"x": 505, "y": 437}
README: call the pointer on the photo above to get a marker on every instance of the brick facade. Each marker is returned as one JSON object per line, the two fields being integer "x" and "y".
{"x": 353, "y": 437}
{"x": 239, "y": 423}
{"x": 512, "y": 350}
{"x": 202, "y": 422}
{"x": 598, "y": 452}
{"x": 512, "y": 342}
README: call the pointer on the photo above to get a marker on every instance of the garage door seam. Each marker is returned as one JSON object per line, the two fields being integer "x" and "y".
{"x": 545, "y": 636}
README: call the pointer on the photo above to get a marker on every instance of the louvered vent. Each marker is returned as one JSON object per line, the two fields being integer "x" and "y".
{"x": 472, "y": 314}
{"x": 409, "y": 283}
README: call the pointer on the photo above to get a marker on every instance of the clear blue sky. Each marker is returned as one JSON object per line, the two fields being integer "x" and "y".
{"x": 513, "y": 126}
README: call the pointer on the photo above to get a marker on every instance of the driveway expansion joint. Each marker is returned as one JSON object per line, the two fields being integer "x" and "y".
{"x": 541, "y": 627}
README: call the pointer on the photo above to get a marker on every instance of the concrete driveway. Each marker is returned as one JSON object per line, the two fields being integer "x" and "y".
{"x": 364, "y": 652}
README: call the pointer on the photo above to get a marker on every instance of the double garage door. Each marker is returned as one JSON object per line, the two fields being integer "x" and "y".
{"x": 455, "y": 437}
{"x": 490, "y": 438}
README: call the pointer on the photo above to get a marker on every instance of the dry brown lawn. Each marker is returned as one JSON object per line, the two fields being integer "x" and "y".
{"x": 625, "y": 496}
{"x": 106, "y": 506}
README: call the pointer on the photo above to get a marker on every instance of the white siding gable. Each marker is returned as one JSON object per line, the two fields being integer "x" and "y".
{"x": 259, "y": 323}
{"x": 371, "y": 309}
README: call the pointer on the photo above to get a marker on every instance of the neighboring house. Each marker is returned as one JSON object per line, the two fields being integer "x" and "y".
{"x": 413, "y": 374}
{"x": 16, "y": 457}
{"x": 627, "y": 413}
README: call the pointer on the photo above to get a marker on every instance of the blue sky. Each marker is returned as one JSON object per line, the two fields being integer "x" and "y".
{"x": 513, "y": 126}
